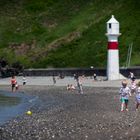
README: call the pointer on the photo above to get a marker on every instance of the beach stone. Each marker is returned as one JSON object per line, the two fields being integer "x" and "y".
{"x": 64, "y": 115}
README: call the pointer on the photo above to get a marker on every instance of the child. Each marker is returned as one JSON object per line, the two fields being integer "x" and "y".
{"x": 138, "y": 95}
{"x": 72, "y": 87}
{"x": 124, "y": 95}
{"x": 24, "y": 80}
{"x": 17, "y": 86}
{"x": 13, "y": 83}
{"x": 68, "y": 87}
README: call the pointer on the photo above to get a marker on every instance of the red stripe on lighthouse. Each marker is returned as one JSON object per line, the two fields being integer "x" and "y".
{"x": 113, "y": 45}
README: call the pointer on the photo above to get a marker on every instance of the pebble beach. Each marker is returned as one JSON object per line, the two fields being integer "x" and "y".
{"x": 67, "y": 115}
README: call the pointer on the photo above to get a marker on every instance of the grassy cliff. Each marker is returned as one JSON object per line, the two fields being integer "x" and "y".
{"x": 66, "y": 33}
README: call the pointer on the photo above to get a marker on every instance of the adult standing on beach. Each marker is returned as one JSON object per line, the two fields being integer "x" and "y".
{"x": 54, "y": 80}
{"x": 132, "y": 76}
{"x": 24, "y": 80}
{"x": 13, "y": 83}
{"x": 79, "y": 84}
{"x": 95, "y": 76}
{"x": 75, "y": 76}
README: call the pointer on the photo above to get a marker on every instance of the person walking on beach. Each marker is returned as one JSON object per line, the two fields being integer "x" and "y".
{"x": 79, "y": 85}
{"x": 16, "y": 86}
{"x": 132, "y": 76}
{"x": 124, "y": 92}
{"x": 75, "y": 76}
{"x": 13, "y": 83}
{"x": 54, "y": 80}
{"x": 24, "y": 80}
{"x": 138, "y": 95}
{"x": 95, "y": 76}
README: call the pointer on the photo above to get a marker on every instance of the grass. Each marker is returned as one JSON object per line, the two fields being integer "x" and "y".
{"x": 48, "y": 21}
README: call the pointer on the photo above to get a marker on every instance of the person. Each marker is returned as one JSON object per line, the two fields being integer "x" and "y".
{"x": 133, "y": 86}
{"x": 79, "y": 85}
{"x": 13, "y": 83}
{"x": 132, "y": 76}
{"x": 95, "y": 76}
{"x": 24, "y": 80}
{"x": 72, "y": 87}
{"x": 16, "y": 86}
{"x": 138, "y": 95}
{"x": 68, "y": 87}
{"x": 124, "y": 92}
{"x": 75, "y": 76}
{"x": 54, "y": 80}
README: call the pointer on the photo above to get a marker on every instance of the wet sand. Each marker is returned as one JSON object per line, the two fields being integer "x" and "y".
{"x": 68, "y": 115}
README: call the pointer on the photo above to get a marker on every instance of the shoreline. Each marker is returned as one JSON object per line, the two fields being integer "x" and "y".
{"x": 48, "y": 81}
{"x": 66, "y": 115}
{"x": 17, "y": 104}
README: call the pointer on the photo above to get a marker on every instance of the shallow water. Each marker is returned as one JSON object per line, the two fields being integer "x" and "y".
{"x": 13, "y": 105}
{"x": 6, "y": 101}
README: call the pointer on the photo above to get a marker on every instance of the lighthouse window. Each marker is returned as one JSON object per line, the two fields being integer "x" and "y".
{"x": 109, "y": 25}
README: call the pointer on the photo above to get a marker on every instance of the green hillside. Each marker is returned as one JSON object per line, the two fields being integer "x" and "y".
{"x": 66, "y": 33}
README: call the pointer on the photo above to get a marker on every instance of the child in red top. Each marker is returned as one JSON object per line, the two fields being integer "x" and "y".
{"x": 13, "y": 83}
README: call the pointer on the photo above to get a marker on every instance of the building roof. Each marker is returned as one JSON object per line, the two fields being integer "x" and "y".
{"x": 112, "y": 20}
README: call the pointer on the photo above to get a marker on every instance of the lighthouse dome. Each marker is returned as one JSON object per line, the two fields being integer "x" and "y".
{"x": 112, "y": 20}
{"x": 113, "y": 26}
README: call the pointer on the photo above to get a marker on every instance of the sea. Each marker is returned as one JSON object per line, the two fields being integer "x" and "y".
{"x": 14, "y": 104}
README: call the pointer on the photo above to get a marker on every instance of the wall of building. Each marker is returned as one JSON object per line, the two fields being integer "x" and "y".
{"x": 64, "y": 71}
{"x": 80, "y": 71}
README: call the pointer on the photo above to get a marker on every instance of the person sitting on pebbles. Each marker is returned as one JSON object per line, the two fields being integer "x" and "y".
{"x": 124, "y": 92}
{"x": 70, "y": 87}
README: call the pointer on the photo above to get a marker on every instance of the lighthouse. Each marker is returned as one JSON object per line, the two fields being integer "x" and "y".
{"x": 113, "y": 51}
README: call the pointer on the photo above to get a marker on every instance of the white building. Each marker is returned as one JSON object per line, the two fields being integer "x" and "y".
{"x": 113, "y": 51}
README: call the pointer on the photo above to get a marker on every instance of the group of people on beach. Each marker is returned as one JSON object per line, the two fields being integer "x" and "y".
{"x": 71, "y": 87}
{"x": 126, "y": 91}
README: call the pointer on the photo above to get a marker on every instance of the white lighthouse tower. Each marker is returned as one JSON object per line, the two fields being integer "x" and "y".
{"x": 113, "y": 52}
